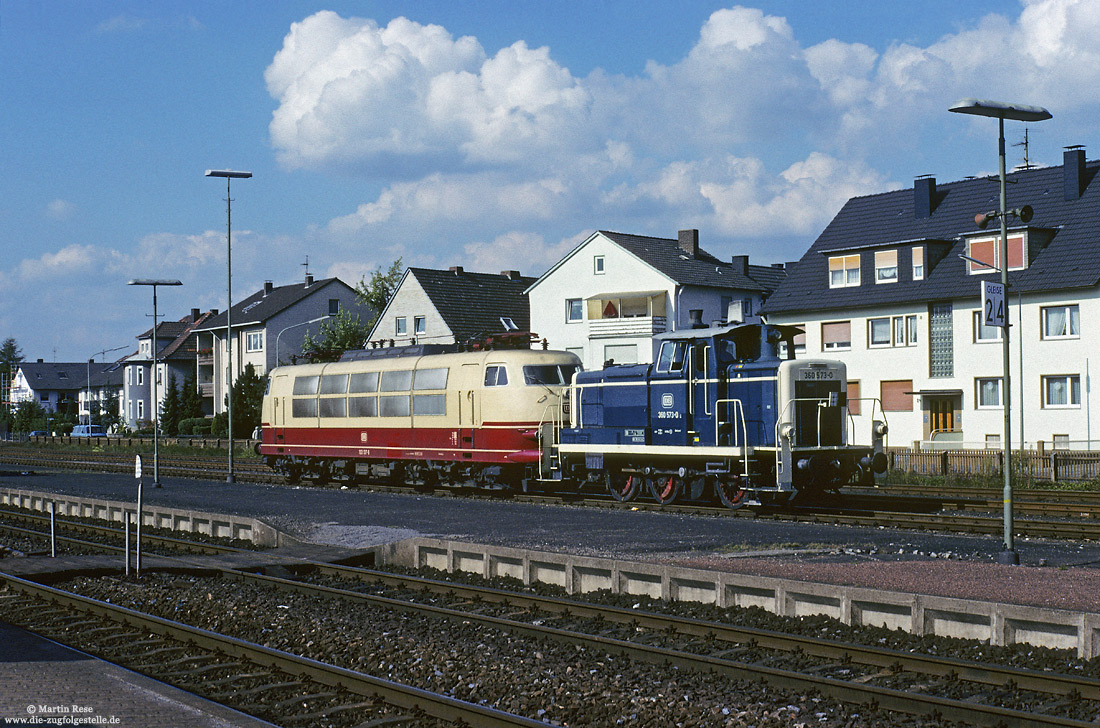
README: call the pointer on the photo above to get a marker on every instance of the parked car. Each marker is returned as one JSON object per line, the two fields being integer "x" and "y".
{"x": 89, "y": 431}
{"x": 38, "y": 433}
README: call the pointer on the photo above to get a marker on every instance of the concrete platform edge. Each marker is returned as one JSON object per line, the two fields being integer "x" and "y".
{"x": 918, "y": 614}
{"x": 188, "y": 521}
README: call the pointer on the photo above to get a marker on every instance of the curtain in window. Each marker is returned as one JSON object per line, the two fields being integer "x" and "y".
{"x": 1056, "y": 321}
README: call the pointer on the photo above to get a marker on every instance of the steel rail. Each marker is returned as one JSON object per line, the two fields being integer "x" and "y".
{"x": 1039, "y": 528}
{"x": 852, "y": 692}
{"x": 1039, "y": 681}
{"x": 175, "y": 544}
{"x": 393, "y": 693}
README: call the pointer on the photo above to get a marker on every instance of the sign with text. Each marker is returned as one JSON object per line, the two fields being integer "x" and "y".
{"x": 993, "y": 304}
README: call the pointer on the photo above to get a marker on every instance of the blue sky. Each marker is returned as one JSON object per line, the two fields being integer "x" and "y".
{"x": 490, "y": 134}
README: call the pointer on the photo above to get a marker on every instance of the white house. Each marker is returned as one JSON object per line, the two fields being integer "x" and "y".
{"x": 608, "y": 297}
{"x": 886, "y": 289}
{"x": 268, "y": 329}
{"x": 431, "y": 306}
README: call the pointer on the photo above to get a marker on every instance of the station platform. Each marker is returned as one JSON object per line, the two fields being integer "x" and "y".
{"x": 45, "y": 680}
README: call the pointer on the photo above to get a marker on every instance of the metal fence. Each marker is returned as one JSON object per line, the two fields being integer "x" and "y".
{"x": 1048, "y": 465}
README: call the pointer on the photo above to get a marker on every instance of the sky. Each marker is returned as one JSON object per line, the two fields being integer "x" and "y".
{"x": 495, "y": 134}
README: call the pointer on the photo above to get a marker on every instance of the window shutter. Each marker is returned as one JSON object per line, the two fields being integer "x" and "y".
{"x": 839, "y": 332}
{"x": 895, "y": 396}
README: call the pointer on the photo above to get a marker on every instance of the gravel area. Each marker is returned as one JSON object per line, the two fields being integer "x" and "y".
{"x": 562, "y": 684}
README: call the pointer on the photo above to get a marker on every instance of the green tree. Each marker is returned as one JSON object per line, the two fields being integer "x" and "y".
{"x": 338, "y": 334}
{"x": 170, "y": 408}
{"x": 109, "y": 414}
{"x": 10, "y": 354}
{"x": 29, "y": 416}
{"x": 190, "y": 401}
{"x": 376, "y": 292}
{"x": 248, "y": 397}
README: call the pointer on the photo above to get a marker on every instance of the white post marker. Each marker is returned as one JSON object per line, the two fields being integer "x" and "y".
{"x": 993, "y": 304}
{"x": 137, "y": 545}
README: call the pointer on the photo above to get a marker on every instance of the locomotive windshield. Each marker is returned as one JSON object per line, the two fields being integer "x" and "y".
{"x": 671, "y": 357}
{"x": 556, "y": 374}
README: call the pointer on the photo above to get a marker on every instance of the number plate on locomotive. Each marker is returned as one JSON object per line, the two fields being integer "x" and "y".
{"x": 805, "y": 374}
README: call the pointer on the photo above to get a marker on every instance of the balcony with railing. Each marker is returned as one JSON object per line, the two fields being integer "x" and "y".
{"x": 206, "y": 389}
{"x": 639, "y": 326}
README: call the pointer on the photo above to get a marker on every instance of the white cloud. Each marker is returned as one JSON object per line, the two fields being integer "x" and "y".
{"x": 526, "y": 252}
{"x": 60, "y": 209}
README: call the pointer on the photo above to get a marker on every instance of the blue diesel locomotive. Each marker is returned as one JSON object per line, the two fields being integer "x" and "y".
{"x": 724, "y": 412}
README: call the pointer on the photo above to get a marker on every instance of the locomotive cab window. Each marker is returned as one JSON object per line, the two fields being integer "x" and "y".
{"x": 556, "y": 374}
{"x": 496, "y": 375}
{"x": 671, "y": 357}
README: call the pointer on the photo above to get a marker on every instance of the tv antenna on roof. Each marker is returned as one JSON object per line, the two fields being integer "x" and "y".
{"x": 1024, "y": 144}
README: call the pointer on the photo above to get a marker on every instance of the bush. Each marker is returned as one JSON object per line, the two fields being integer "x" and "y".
{"x": 194, "y": 426}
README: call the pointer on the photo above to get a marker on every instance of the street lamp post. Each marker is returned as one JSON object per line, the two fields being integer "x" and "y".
{"x": 90, "y": 361}
{"x": 292, "y": 326}
{"x": 154, "y": 282}
{"x": 229, "y": 176}
{"x": 1000, "y": 112}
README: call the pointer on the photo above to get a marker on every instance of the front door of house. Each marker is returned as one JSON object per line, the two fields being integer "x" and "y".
{"x": 941, "y": 415}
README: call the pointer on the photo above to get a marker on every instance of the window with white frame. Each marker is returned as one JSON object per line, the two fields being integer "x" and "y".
{"x": 918, "y": 262}
{"x": 1061, "y": 442}
{"x": 988, "y": 392}
{"x": 1061, "y": 322}
{"x": 419, "y": 324}
{"x": 986, "y": 254}
{"x": 254, "y": 341}
{"x": 333, "y": 306}
{"x": 836, "y": 335}
{"x": 886, "y": 266}
{"x": 574, "y": 310}
{"x": 984, "y": 333}
{"x": 844, "y": 271}
{"x": 892, "y": 331}
{"x": 992, "y": 442}
{"x": 597, "y": 265}
{"x": 141, "y": 409}
{"x": 140, "y": 376}
{"x": 401, "y": 326}
{"x": 1062, "y": 390}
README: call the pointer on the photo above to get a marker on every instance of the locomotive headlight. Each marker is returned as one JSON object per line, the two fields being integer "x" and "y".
{"x": 786, "y": 431}
{"x": 803, "y": 464}
{"x": 881, "y": 428}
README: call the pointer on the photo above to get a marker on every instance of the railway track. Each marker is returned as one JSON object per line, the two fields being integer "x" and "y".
{"x": 272, "y": 684}
{"x": 1041, "y": 513}
{"x": 83, "y": 537}
{"x": 521, "y": 636}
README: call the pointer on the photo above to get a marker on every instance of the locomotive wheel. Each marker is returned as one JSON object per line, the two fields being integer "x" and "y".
{"x": 322, "y": 472}
{"x": 665, "y": 488}
{"x": 293, "y": 474}
{"x": 730, "y": 491}
{"x": 623, "y": 487}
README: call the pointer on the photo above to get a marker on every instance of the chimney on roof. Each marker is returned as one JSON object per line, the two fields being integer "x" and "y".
{"x": 456, "y": 269}
{"x": 195, "y": 313}
{"x": 41, "y": 361}
{"x": 268, "y": 287}
{"x": 924, "y": 196}
{"x": 695, "y": 318}
{"x": 213, "y": 312}
{"x": 689, "y": 242}
{"x": 309, "y": 280}
{"x": 741, "y": 264}
{"x": 1073, "y": 171}
{"x": 512, "y": 275}
{"x": 780, "y": 266}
